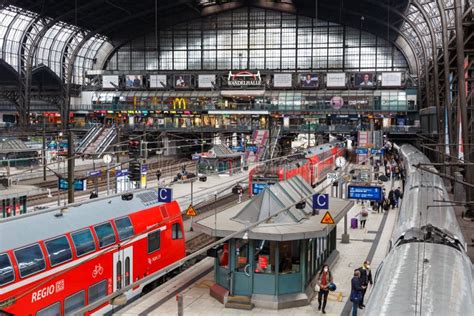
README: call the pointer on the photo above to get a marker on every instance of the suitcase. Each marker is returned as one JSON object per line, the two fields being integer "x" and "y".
{"x": 354, "y": 223}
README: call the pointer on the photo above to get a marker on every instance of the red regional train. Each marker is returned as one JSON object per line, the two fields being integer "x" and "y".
{"x": 54, "y": 263}
{"x": 313, "y": 166}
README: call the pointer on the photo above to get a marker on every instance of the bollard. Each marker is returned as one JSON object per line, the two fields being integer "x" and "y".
{"x": 179, "y": 299}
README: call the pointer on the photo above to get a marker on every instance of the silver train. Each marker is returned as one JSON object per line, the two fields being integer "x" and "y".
{"x": 427, "y": 271}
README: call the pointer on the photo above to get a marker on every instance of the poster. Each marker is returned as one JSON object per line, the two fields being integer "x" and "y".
{"x": 206, "y": 81}
{"x": 158, "y": 81}
{"x": 182, "y": 81}
{"x": 364, "y": 80}
{"x": 282, "y": 81}
{"x": 110, "y": 81}
{"x": 134, "y": 81}
{"x": 391, "y": 79}
{"x": 309, "y": 80}
{"x": 336, "y": 80}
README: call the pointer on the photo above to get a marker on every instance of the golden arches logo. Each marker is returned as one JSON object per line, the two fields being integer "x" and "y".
{"x": 179, "y": 103}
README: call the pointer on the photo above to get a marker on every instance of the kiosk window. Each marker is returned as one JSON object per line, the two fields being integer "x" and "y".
{"x": 30, "y": 260}
{"x": 124, "y": 228}
{"x": 105, "y": 233}
{"x": 83, "y": 242}
{"x": 154, "y": 241}
{"x": 74, "y": 302}
{"x": 59, "y": 250}
{"x": 6, "y": 270}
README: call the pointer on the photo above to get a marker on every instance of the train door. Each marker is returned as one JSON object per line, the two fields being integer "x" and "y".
{"x": 123, "y": 268}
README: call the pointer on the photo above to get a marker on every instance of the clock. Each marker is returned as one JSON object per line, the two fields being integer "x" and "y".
{"x": 340, "y": 162}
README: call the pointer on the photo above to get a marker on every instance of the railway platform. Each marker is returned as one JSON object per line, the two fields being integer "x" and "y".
{"x": 370, "y": 243}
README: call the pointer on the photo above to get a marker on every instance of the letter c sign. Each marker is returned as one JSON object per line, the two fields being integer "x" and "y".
{"x": 321, "y": 201}
{"x": 165, "y": 195}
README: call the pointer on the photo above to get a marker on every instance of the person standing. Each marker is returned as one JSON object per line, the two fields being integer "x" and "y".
{"x": 365, "y": 279}
{"x": 324, "y": 279}
{"x": 398, "y": 194}
{"x": 364, "y": 214}
{"x": 391, "y": 197}
{"x": 356, "y": 292}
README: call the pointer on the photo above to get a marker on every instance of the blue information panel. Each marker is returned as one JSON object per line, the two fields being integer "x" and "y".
{"x": 362, "y": 151}
{"x": 79, "y": 184}
{"x": 320, "y": 201}
{"x": 375, "y": 151}
{"x": 95, "y": 173}
{"x": 165, "y": 195}
{"x": 121, "y": 173}
{"x": 258, "y": 187}
{"x": 365, "y": 192}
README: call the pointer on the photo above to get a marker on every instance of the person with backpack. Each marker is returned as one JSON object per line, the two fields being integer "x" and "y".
{"x": 324, "y": 279}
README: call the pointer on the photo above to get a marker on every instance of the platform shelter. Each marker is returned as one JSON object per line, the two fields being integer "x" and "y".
{"x": 275, "y": 263}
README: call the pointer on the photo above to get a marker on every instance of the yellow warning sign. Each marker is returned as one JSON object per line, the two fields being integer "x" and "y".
{"x": 327, "y": 219}
{"x": 191, "y": 211}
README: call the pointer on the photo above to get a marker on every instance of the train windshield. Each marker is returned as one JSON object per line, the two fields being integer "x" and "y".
{"x": 6, "y": 270}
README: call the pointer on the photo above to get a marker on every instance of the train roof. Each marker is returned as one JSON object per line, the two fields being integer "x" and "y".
{"x": 316, "y": 150}
{"x": 26, "y": 229}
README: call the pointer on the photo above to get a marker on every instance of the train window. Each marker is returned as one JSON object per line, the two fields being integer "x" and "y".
{"x": 59, "y": 250}
{"x": 97, "y": 291}
{"x": 105, "y": 233}
{"x": 154, "y": 241}
{"x": 124, "y": 228}
{"x": 30, "y": 260}
{"x": 74, "y": 302}
{"x": 83, "y": 242}
{"x": 6, "y": 270}
{"x": 51, "y": 310}
{"x": 177, "y": 233}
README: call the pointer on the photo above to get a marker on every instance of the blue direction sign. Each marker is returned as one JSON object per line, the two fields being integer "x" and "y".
{"x": 121, "y": 173}
{"x": 362, "y": 151}
{"x": 95, "y": 173}
{"x": 375, "y": 151}
{"x": 365, "y": 192}
{"x": 320, "y": 201}
{"x": 165, "y": 195}
{"x": 144, "y": 168}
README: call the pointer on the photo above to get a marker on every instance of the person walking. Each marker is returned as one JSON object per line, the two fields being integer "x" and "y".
{"x": 324, "y": 279}
{"x": 391, "y": 197}
{"x": 363, "y": 215}
{"x": 365, "y": 279}
{"x": 356, "y": 292}
{"x": 398, "y": 195}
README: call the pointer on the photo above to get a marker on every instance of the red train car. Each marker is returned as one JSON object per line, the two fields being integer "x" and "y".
{"x": 55, "y": 263}
{"x": 313, "y": 166}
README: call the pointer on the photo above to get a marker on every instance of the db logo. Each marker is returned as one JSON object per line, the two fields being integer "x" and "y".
{"x": 98, "y": 270}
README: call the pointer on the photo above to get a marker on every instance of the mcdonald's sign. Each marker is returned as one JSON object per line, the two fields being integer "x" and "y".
{"x": 179, "y": 103}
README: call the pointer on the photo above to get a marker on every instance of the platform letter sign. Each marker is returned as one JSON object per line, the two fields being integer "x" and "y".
{"x": 165, "y": 195}
{"x": 320, "y": 201}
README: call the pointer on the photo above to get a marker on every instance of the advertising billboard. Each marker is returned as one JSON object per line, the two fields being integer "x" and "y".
{"x": 391, "y": 79}
{"x": 158, "y": 81}
{"x": 182, "y": 81}
{"x": 364, "y": 80}
{"x": 134, "y": 81}
{"x": 282, "y": 80}
{"x": 336, "y": 80}
{"x": 110, "y": 81}
{"x": 309, "y": 81}
{"x": 206, "y": 81}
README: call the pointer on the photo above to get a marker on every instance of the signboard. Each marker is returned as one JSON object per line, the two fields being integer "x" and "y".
{"x": 391, "y": 79}
{"x": 365, "y": 192}
{"x": 364, "y": 80}
{"x": 375, "y": 151}
{"x": 179, "y": 104}
{"x": 191, "y": 211}
{"x": 336, "y": 80}
{"x": 332, "y": 176}
{"x": 244, "y": 79}
{"x": 158, "y": 81}
{"x": 95, "y": 173}
{"x": 363, "y": 138}
{"x": 321, "y": 201}
{"x": 362, "y": 151}
{"x": 282, "y": 81}
{"x": 165, "y": 195}
{"x": 327, "y": 219}
{"x": 110, "y": 81}
{"x": 79, "y": 184}
{"x": 195, "y": 156}
{"x": 258, "y": 187}
{"x": 206, "y": 81}
{"x": 143, "y": 168}
{"x": 121, "y": 173}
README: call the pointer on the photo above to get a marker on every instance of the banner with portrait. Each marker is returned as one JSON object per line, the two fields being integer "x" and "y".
{"x": 309, "y": 81}
{"x": 364, "y": 80}
{"x": 134, "y": 81}
{"x": 182, "y": 81}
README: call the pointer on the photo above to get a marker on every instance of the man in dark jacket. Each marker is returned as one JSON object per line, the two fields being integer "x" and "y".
{"x": 365, "y": 279}
{"x": 356, "y": 292}
{"x": 391, "y": 197}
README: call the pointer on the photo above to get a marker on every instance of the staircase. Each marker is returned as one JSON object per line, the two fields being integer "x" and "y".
{"x": 239, "y": 302}
{"x": 101, "y": 143}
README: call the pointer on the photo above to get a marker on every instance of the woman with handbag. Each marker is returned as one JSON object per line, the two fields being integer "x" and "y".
{"x": 364, "y": 214}
{"x": 324, "y": 279}
{"x": 356, "y": 292}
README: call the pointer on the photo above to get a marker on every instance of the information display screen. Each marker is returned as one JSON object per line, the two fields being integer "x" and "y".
{"x": 365, "y": 192}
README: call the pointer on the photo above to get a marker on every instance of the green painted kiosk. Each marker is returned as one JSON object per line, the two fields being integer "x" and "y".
{"x": 275, "y": 263}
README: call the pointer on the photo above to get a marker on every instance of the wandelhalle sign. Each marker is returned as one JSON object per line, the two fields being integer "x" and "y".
{"x": 244, "y": 79}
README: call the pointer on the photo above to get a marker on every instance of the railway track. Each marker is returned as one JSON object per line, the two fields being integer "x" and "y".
{"x": 38, "y": 199}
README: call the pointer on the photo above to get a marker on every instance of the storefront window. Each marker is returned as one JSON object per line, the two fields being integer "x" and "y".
{"x": 289, "y": 256}
{"x": 241, "y": 254}
{"x": 264, "y": 258}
